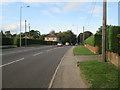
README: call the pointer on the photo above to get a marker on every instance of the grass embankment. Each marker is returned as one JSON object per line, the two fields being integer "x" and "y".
{"x": 100, "y": 75}
{"x": 81, "y": 50}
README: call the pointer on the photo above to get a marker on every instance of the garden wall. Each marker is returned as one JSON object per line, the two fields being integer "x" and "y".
{"x": 92, "y": 49}
{"x": 114, "y": 58}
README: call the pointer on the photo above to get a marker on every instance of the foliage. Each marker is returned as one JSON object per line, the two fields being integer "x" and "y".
{"x": 100, "y": 75}
{"x": 34, "y": 33}
{"x": 112, "y": 39}
{"x": 86, "y": 35}
{"x": 90, "y": 40}
{"x": 81, "y": 50}
{"x": 7, "y": 41}
{"x": 52, "y": 32}
{"x": 68, "y": 36}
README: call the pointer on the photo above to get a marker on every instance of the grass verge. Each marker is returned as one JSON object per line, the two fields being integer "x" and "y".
{"x": 81, "y": 50}
{"x": 100, "y": 75}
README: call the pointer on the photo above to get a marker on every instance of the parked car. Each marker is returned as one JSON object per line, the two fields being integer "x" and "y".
{"x": 59, "y": 44}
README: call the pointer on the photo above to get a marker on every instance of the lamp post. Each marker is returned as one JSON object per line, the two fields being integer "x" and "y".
{"x": 21, "y": 22}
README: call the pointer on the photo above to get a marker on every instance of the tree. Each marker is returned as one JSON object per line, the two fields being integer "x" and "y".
{"x": 8, "y": 34}
{"x": 52, "y": 32}
{"x": 35, "y": 33}
{"x": 68, "y": 36}
{"x": 2, "y": 34}
{"x": 86, "y": 35}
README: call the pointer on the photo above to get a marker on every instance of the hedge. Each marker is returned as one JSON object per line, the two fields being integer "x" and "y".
{"x": 16, "y": 41}
{"x": 90, "y": 40}
{"x": 112, "y": 41}
{"x": 113, "y": 44}
{"x": 95, "y": 40}
{"x": 32, "y": 41}
{"x": 7, "y": 41}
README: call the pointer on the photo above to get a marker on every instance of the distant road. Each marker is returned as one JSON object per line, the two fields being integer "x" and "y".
{"x": 31, "y": 67}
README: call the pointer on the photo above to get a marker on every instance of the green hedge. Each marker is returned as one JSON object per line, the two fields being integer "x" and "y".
{"x": 16, "y": 41}
{"x": 32, "y": 41}
{"x": 95, "y": 40}
{"x": 90, "y": 41}
{"x": 7, "y": 41}
{"x": 98, "y": 42}
{"x": 113, "y": 44}
{"x": 112, "y": 41}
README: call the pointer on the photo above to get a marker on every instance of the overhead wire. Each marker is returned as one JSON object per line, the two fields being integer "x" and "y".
{"x": 90, "y": 17}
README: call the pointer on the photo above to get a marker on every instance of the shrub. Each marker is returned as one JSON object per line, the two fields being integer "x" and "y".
{"x": 7, "y": 41}
{"x": 90, "y": 40}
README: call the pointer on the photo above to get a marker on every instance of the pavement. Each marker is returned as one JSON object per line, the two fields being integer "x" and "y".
{"x": 68, "y": 74}
{"x": 30, "y": 67}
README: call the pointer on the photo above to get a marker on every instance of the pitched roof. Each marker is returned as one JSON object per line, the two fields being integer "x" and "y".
{"x": 51, "y": 35}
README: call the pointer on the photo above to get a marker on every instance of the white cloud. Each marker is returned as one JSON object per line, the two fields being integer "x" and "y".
{"x": 56, "y": 10}
{"x": 47, "y": 13}
{"x": 14, "y": 28}
{"x": 66, "y": 7}
{"x": 72, "y": 6}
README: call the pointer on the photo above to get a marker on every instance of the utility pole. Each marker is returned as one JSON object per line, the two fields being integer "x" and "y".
{"x": 104, "y": 27}
{"x": 20, "y": 23}
{"x": 83, "y": 35}
{"x": 77, "y": 36}
{"x": 29, "y": 29}
{"x": 25, "y": 35}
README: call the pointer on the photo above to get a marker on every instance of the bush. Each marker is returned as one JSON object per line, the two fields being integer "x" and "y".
{"x": 90, "y": 41}
{"x": 7, "y": 41}
{"x": 32, "y": 41}
{"x": 95, "y": 40}
{"x": 112, "y": 39}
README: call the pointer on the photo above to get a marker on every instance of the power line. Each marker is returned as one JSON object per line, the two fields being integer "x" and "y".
{"x": 92, "y": 11}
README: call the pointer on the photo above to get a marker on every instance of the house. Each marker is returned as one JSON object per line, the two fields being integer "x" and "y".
{"x": 51, "y": 37}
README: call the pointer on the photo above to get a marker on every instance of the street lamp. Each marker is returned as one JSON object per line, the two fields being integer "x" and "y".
{"x": 20, "y": 21}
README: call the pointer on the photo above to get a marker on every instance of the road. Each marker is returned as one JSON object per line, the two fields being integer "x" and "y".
{"x": 31, "y": 67}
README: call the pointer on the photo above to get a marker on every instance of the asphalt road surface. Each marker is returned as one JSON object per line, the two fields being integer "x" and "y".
{"x": 31, "y": 67}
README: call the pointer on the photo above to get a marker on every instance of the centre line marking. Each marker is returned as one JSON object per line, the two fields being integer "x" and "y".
{"x": 37, "y": 54}
{"x": 11, "y": 62}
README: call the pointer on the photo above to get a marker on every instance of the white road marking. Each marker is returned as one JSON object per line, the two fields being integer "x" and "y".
{"x": 12, "y": 62}
{"x": 37, "y": 54}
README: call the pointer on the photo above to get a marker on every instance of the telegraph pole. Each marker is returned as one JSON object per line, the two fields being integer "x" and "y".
{"x": 104, "y": 27}
{"x": 25, "y": 35}
{"x": 29, "y": 29}
{"x": 83, "y": 34}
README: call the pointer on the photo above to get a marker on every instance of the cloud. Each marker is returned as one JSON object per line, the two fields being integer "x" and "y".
{"x": 72, "y": 6}
{"x": 14, "y": 28}
{"x": 56, "y": 10}
{"x": 47, "y": 13}
{"x": 65, "y": 7}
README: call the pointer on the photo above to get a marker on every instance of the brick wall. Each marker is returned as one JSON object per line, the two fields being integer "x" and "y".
{"x": 114, "y": 58}
{"x": 91, "y": 48}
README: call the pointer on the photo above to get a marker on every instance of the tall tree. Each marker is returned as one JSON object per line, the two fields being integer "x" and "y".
{"x": 35, "y": 33}
{"x": 52, "y": 32}
{"x": 8, "y": 34}
{"x": 86, "y": 35}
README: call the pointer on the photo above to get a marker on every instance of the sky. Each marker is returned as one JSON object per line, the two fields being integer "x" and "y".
{"x": 58, "y": 16}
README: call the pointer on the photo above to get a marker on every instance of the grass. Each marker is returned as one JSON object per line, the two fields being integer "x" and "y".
{"x": 81, "y": 50}
{"x": 100, "y": 75}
